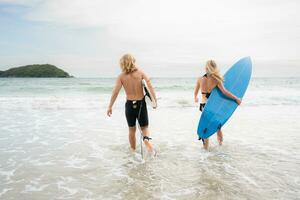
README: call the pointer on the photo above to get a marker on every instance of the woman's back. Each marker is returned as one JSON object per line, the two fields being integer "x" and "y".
{"x": 208, "y": 83}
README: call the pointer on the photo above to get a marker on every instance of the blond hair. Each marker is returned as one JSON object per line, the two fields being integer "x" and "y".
{"x": 213, "y": 70}
{"x": 127, "y": 63}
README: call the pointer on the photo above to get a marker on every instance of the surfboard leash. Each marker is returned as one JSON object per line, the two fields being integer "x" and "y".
{"x": 140, "y": 129}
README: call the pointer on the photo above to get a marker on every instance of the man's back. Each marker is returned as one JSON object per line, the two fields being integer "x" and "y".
{"x": 132, "y": 83}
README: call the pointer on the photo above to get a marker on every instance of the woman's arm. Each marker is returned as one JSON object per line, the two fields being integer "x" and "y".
{"x": 114, "y": 95}
{"x": 152, "y": 91}
{"x": 197, "y": 87}
{"x": 228, "y": 94}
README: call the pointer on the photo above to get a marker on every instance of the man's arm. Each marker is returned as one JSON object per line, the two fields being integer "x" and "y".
{"x": 114, "y": 95}
{"x": 152, "y": 91}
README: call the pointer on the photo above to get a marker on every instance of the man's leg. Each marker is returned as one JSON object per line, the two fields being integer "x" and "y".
{"x": 146, "y": 132}
{"x": 132, "y": 139}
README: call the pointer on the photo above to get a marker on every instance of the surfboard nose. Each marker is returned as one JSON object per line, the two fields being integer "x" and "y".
{"x": 246, "y": 59}
{"x": 246, "y": 62}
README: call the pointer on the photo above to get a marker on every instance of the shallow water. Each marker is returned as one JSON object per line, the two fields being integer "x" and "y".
{"x": 57, "y": 143}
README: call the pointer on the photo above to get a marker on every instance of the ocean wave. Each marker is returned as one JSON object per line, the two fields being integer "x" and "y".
{"x": 173, "y": 92}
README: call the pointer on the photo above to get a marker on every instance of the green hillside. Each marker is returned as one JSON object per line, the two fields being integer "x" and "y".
{"x": 44, "y": 70}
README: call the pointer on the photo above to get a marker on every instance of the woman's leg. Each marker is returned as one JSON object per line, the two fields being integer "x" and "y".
{"x": 148, "y": 144}
{"x": 205, "y": 143}
{"x": 132, "y": 139}
{"x": 220, "y": 136}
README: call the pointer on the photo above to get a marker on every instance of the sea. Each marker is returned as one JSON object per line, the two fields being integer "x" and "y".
{"x": 56, "y": 142}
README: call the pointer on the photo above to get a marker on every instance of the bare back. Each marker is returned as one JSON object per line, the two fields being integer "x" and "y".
{"x": 132, "y": 83}
{"x": 207, "y": 83}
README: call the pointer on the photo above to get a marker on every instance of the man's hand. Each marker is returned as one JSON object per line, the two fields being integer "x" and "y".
{"x": 109, "y": 111}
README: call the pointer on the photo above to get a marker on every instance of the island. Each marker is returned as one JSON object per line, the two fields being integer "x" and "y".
{"x": 36, "y": 70}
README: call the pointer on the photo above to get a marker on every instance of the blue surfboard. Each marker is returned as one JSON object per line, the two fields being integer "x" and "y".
{"x": 219, "y": 108}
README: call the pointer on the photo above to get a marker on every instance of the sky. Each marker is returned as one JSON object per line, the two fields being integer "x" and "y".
{"x": 167, "y": 37}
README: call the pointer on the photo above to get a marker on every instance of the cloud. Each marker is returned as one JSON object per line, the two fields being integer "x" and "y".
{"x": 169, "y": 20}
{"x": 20, "y": 2}
{"x": 99, "y": 12}
{"x": 165, "y": 32}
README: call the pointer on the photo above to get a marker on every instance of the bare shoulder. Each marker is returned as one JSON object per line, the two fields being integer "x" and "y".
{"x": 199, "y": 79}
{"x": 140, "y": 71}
{"x": 215, "y": 81}
{"x": 143, "y": 74}
{"x": 121, "y": 76}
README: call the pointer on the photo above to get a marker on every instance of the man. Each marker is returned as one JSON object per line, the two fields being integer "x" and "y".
{"x": 135, "y": 108}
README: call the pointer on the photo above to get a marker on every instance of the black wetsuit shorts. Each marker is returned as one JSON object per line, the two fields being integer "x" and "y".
{"x": 201, "y": 106}
{"x": 136, "y": 110}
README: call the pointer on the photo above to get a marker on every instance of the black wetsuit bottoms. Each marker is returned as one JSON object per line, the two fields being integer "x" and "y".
{"x": 201, "y": 106}
{"x": 136, "y": 110}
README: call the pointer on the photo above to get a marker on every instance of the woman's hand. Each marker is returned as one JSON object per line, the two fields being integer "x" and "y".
{"x": 109, "y": 111}
{"x": 196, "y": 99}
{"x": 229, "y": 94}
{"x": 238, "y": 101}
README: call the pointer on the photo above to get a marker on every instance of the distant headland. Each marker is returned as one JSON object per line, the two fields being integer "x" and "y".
{"x": 35, "y": 71}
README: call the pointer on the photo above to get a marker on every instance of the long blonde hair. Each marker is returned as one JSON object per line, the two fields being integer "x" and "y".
{"x": 212, "y": 70}
{"x": 127, "y": 63}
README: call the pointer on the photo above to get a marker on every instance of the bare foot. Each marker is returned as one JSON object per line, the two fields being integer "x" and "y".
{"x": 148, "y": 145}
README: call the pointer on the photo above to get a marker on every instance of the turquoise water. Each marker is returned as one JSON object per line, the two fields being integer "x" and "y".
{"x": 56, "y": 142}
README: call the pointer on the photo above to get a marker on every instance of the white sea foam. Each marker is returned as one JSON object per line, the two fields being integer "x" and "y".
{"x": 75, "y": 162}
{"x": 34, "y": 187}
{"x": 4, "y": 191}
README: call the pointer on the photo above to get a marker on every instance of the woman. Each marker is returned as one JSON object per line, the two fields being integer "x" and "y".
{"x": 135, "y": 107}
{"x": 206, "y": 84}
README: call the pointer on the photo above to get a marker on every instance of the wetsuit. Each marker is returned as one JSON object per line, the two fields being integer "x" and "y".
{"x": 136, "y": 110}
